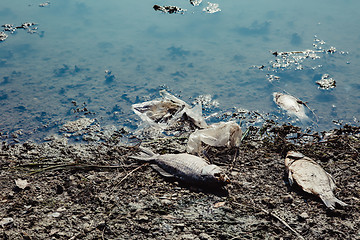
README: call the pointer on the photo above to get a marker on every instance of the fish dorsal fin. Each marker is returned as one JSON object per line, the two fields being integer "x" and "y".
{"x": 161, "y": 171}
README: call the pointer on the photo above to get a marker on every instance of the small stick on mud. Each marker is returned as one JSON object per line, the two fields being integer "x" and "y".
{"x": 53, "y": 167}
{"x": 283, "y": 222}
{"x": 131, "y": 172}
{"x": 274, "y": 216}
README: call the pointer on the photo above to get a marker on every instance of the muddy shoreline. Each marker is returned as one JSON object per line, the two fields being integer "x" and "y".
{"x": 94, "y": 191}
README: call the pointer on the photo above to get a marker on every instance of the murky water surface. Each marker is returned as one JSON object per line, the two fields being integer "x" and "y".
{"x": 97, "y": 58}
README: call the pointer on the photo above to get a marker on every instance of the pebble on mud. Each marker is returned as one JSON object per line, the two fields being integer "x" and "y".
{"x": 6, "y": 221}
{"x": 22, "y": 184}
{"x": 55, "y": 215}
{"x": 288, "y": 199}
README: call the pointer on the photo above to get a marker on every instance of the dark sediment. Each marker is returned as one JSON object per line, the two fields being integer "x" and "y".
{"x": 94, "y": 191}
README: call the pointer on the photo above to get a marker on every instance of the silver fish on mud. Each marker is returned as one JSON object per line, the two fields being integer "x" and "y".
{"x": 185, "y": 167}
{"x": 312, "y": 178}
{"x": 291, "y": 104}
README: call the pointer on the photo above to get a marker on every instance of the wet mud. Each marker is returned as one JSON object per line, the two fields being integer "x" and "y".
{"x": 93, "y": 190}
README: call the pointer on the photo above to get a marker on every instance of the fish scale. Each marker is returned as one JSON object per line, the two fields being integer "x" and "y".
{"x": 185, "y": 167}
{"x": 312, "y": 178}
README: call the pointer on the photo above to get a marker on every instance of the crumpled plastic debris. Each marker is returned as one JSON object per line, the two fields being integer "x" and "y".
{"x": 217, "y": 135}
{"x": 212, "y": 8}
{"x": 326, "y": 82}
{"x": 195, "y": 2}
{"x": 164, "y": 113}
{"x": 291, "y": 104}
{"x": 169, "y": 9}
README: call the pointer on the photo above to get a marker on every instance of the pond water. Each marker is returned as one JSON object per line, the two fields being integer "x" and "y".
{"x": 97, "y": 58}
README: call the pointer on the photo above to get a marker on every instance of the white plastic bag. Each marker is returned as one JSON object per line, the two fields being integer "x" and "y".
{"x": 164, "y": 113}
{"x": 218, "y": 134}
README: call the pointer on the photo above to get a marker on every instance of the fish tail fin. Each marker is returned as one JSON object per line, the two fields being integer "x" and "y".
{"x": 331, "y": 202}
{"x": 146, "y": 155}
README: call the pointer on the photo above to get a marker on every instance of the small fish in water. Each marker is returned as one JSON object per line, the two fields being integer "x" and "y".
{"x": 291, "y": 104}
{"x": 312, "y": 178}
{"x": 185, "y": 167}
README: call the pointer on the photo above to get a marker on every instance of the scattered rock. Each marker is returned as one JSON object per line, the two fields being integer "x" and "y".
{"x": 288, "y": 199}
{"x": 6, "y": 221}
{"x": 22, "y": 184}
{"x": 219, "y": 204}
{"x": 55, "y": 214}
{"x": 304, "y": 215}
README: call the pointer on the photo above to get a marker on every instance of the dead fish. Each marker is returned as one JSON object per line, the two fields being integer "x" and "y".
{"x": 291, "y": 104}
{"x": 185, "y": 167}
{"x": 312, "y": 178}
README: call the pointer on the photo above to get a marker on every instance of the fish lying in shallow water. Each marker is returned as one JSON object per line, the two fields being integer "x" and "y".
{"x": 312, "y": 178}
{"x": 291, "y": 104}
{"x": 185, "y": 167}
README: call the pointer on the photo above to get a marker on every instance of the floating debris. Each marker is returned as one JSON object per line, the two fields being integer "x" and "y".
{"x": 272, "y": 78}
{"x": 206, "y": 101}
{"x": 195, "y": 2}
{"x": 27, "y": 25}
{"x": 212, "y": 8}
{"x": 47, "y": 3}
{"x": 326, "y": 82}
{"x": 9, "y": 28}
{"x": 165, "y": 113}
{"x": 31, "y": 27}
{"x": 185, "y": 167}
{"x": 218, "y": 135}
{"x": 169, "y": 9}
{"x": 291, "y": 104}
{"x": 3, "y": 36}
{"x": 295, "y": 59}
{"x": 312, "y": 178}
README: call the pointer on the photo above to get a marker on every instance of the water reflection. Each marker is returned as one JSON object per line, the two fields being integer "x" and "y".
{"x": 114, "y": 54}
